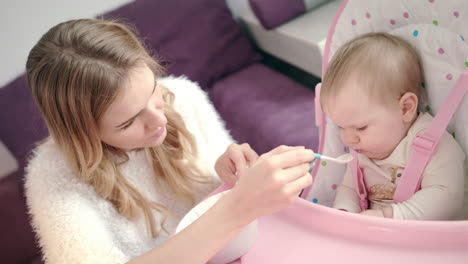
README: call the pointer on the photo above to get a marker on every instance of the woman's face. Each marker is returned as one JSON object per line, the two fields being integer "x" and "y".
{"x": 135, "y": 119}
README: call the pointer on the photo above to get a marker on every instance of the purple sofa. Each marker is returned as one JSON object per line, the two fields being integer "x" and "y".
{"x": 198, "y": 39}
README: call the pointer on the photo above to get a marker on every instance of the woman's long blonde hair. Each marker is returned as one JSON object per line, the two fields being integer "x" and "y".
{"x": 75, "y": 72}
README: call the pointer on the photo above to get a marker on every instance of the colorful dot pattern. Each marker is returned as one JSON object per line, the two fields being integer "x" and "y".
{"x": 441, "y": 51}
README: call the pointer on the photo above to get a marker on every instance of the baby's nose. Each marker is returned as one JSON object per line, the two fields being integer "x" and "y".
{"x": 350, "y": 139}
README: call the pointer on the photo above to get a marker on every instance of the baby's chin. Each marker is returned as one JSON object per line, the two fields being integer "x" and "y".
{"x": 375, "y": 155}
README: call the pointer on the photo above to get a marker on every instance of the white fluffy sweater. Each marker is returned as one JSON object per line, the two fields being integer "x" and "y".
{"x": 74, "y": 225}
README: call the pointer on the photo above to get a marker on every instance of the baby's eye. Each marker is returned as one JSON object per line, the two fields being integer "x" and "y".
{"x": 362, "y": 128}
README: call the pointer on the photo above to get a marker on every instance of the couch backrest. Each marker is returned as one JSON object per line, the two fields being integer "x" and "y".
{"x": 199, "y": 39}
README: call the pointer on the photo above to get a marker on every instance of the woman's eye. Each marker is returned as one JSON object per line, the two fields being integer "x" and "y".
{"x": 362, "y": 128}
{"x": 127, "y": 125}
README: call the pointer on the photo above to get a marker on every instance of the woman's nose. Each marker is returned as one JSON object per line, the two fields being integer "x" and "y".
{"x": 155, "y": 119}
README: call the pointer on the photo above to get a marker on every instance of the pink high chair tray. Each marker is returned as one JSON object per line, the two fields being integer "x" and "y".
{"x": 309, "y": 233}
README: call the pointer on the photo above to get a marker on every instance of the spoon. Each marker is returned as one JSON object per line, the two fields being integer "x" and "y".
{"x": 343, "y": 159}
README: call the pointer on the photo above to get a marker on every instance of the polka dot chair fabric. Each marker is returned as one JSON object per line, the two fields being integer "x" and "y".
{"x": 437, "y": 29}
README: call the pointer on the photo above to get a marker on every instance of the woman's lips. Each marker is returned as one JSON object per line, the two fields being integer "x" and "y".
{"x": 158, "y": 132}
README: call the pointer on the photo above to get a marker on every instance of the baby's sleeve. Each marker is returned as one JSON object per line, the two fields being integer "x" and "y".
{"x": 346, "y": 195}
{"x": 442, "y": 186}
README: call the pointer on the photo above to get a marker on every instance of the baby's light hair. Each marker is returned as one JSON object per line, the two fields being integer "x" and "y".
{"x": 386, "y": 65}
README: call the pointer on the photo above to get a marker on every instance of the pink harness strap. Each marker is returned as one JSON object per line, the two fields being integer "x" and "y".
{"x": 359, "y": 181}
{"x": 425, "y": 142}
{"x": 423, "y": 146}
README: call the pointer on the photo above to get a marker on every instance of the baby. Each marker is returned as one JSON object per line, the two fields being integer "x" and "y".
{"x": 371, "y": 92}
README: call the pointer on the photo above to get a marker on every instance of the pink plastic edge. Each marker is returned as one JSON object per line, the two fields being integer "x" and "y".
{"x": 326, "y": 55}
{"x": 411, "y": 234}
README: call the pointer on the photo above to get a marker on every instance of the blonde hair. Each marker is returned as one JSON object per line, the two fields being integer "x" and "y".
{"x": 385, "y": 65}
{"x": 75, "y": 72}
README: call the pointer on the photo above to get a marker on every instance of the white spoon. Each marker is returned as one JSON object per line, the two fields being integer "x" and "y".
{"x": 343, "y": 159}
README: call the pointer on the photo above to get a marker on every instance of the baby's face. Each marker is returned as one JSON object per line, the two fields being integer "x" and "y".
{"x": 366, "y": 124}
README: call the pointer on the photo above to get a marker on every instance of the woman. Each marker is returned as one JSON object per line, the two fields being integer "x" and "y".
{"x": 130, "y": 153}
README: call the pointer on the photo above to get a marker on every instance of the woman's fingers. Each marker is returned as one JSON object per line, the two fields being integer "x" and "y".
{"x": 293, "y": 158}
{"x": 295, "y": 186}
{"x": 237, "y": 157}
{"x": 279, "y": 150}
{"x": 292, "y": 173}
{"x": 250, "y": 155}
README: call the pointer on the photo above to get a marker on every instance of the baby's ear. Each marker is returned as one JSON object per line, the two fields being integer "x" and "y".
{"x": 408, "y": 106}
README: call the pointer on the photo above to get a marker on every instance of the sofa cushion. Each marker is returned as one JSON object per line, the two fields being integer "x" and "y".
{"x": 23, "y": 127}
{"x": 274, "y": 13}
{"x": 305, "y": 34}
{"x": 8, "y": 163}
{"x": 18, "y": 243}
{"x": 266, "y": 109}
{"x": 199, "y": 39}
{"x": 22, "y": 123}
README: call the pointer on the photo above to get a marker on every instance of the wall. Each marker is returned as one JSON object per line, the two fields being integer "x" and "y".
{"x": 23, "y": 22}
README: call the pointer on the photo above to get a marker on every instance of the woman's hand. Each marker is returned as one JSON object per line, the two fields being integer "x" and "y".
{"x": 272, "y": 182}
{"x": 235, "y": 158}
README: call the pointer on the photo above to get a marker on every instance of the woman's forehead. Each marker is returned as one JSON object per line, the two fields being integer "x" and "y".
{"x": 133, "y": 95}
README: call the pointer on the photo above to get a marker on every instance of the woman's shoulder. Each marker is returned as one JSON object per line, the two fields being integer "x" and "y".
{"x": 186, "y": 91}
{"x": 46, "y": 156}
{"x": 48, "y": 169}
{"x": 180, "y": 84}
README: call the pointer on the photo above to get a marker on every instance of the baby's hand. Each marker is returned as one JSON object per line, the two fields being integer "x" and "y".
{"x": 386, "y": 212}
{"x": 373, "y": 212}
